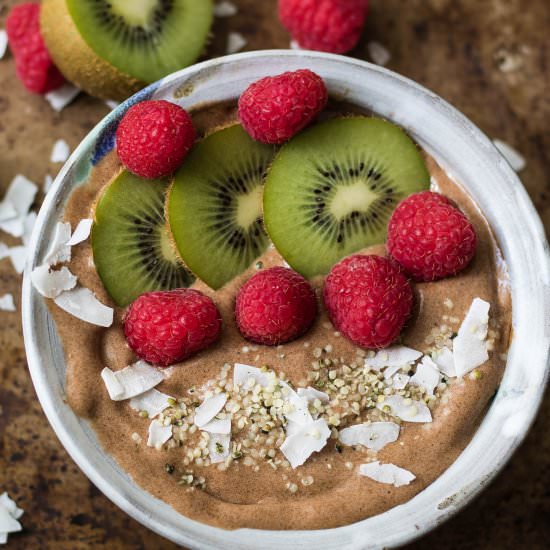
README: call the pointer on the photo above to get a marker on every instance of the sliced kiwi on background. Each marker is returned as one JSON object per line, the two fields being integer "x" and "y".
{"x": 111, "y": 48}
{"x": 331, "y": 189}
{"x": 214, "y": 207}
{"x": 132, "y": 249}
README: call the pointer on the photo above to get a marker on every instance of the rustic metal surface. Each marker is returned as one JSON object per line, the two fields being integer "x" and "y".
{"x": 489, "y": 58}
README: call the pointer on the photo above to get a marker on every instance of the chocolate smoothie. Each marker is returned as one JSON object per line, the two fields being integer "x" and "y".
{"x": 256, "y": 487}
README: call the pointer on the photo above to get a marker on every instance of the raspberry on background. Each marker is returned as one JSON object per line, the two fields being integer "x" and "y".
{"x": 430, "y": 238}
{"x": 154, "y": 137}
{"x": 325, "y": 25}
{"x": 167, "y": 327}
{"x": 275, "y": 306}
{"x": 275, "y": 108}
{"x": 33, "y": 64}
{"x": 368, "y": 300}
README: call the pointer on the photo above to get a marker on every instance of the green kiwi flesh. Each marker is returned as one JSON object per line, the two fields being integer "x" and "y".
{"x": 132, "y": 249}
{"x": 146, "y": 39}
{"x": 214, "y": 207}
{"x": 332, "y": 189}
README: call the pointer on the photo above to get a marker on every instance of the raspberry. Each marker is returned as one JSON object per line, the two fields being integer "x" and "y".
{"x": 325, "y": 25}
{"x": 164, "y": 328}
{"x": 154, "y": 137}
{"x": 368, "y": 300}
{"x": 275, "y": 306}
{"x": 430, "y": 238}
{"x": 33, "y": 63}
{"x": 274, "y": 109}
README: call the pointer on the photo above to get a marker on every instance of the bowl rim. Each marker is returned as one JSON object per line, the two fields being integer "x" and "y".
{"x": 197, "y": 535}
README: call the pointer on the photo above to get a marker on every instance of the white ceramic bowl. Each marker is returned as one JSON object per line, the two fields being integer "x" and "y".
{"x": 468, "y": 156}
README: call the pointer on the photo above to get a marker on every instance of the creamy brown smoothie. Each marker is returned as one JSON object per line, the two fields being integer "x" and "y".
{"x": 256, "y": 487}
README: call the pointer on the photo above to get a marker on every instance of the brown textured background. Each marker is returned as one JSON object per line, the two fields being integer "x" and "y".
{"x": 490, "y": 58}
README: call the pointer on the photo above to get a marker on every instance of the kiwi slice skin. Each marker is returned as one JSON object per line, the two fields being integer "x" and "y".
{"x": 331, "y": 189}
{"x": 93, "y": 47}
{"x": 132, "y": 249}
{"x": 214, "y": 207}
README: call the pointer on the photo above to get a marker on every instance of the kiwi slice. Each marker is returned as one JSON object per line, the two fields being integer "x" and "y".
{"x": 110, "y": 48}
{"x": 132, "y": 250}
{"x": 331, "y": 189}
{"x": 215, "y": 205}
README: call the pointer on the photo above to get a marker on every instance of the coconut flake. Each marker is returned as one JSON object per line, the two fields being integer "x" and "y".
{"x": 83, "y": 304}
{"x": 243, "y": 373}
{"x": 59, "y": 250}
{"x": 81, "y": 233}
{"x": 395, "y": 356}
{"x": 400, "y": 381}
{"x": 214, "y": 447}
{"x": 7, "y": 211}
{"x": 218, "y": 426}
{"x": 427, "y": 375}
{"x": 378, "y": 53}
{"x": 151, "y": 401}
{"x": 386, "y": 473}
{"x": 304, "y": 441}
{"x": 28, "y": 226}
{"x": 8, "y": 524}
{"x": 225, "y": 9}
{"x": 18, "y": 256}
{"x": 19, "y": 197}
{"x": 61, "y": 97}
{"x": 406, "y": 409}
{"x": 10, "y": 506}
{"x": 311, "y": 394}
{"x": 373, "y": 435}
{"x": 3, "y": 43}
{"x": 445, "y": 361}
{"x": 513, "y": 157}
{"x": 131, "y": 381}
{"x": 235, "y": 42}
{"x": 6, "y": 303}
{"x": 294, "y": 45}
{"x": 48, "y": 182}
{"x": 60, "y": 151}
{"x": 209, "y": 408}
{"x": 470, "y": 347}
{"x": 52, "y": 283}
{"x": 159, "y": 434}
{"x": 112, "y": 104}
{"x": 296, "y": 408}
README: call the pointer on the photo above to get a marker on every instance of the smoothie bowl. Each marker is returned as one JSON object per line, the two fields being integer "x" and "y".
{"x": 320, "y": 438}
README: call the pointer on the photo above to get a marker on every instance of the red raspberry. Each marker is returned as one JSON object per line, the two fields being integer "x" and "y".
{"x": 164, "y": 328}
{"x": 325, "y": 25}
{"x": 154, "y": 137}
{"x": 368, "y": 300}
{"x": 430, "y": 238}
{"x": 275, "y": 306}
{"x": 33, "y": 63}
{"x": 275, "y": 108}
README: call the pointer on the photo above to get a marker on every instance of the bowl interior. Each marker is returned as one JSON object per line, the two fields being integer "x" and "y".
{"x": 468, "y": 156}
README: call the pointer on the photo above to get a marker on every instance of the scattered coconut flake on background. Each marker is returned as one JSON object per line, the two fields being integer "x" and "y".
{"x": 470, "y": 346}
{"x": 513, "y": 157}
{"x": 394, "y": 356}
{"x": 408, "y": 410}
{"x": 235, "y": 42}
{"x": 225, "y": 9}
{"x": 61, "y": 97}
{"x": 83, "y": 304}
{"x": 3, "y": 43}
{"x": 305, "y": 440}
{"x": 243, "y": 373}
{"x": 311, "y": 394}
{"x": 52, "y": 283}
{"x": 158, "y": 434}
{"x": 6, "y": 303}
{"x": 209, "y": 408}
{"x": 218, "y": 426}
{"x": 427, "y": 375}
{"x": 48, "y": 182}
{"x": 151, "y": 401}
{"x": 112, "y": 104}
{"x": 81, "y": 233}
{"x": 445, "y": 361}
{"x": 374, "y": 435}
{"x": 7, "y": 211}
{"x": 386, "y": 473}
{"x": 18, "y": 256}
{"x": 378, "y": 53}
{"x": 28, "y": 226}
{"x": 11, "y": 506}
{"x": 294, "y": 45}
{"x": 216, "y": 443}
{"x": 60, "y": 151}
{"x": 16, "y": 205}
{"x": 131, "y": 381}
{"x": 8, "y": 518}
